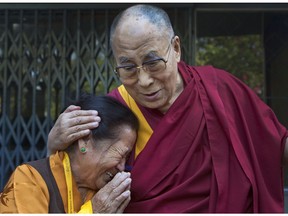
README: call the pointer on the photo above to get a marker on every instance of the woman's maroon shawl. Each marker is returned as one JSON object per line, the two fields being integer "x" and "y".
{"x": 217, "y": 149}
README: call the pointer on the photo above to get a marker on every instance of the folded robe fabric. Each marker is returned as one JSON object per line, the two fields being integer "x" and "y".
{"x": 217, "y": 149}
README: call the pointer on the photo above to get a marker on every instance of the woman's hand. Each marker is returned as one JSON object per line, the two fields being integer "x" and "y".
{"x": 114, "y": 196}
{"x": 71, "y": 125}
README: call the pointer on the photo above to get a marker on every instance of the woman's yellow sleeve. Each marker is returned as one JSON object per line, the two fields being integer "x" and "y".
{"x": 25, "y": 192}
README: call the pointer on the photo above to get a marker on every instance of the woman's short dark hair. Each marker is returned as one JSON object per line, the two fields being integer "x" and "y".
{"x": 113, "y": 115}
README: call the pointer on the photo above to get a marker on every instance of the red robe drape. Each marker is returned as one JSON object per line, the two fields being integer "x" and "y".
{"x": 217, "y": 149}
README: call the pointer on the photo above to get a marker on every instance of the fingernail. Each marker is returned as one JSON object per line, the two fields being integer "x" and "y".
{"x": 126, "y": 174}
{"x": 126, "y": 193}
{"x": 94, "y": 112}
{"x": 96, "y": 124}
{"x": 128, "y": 180}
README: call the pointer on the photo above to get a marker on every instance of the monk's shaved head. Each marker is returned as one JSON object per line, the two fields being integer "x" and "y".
{"x": 154, "y": 15}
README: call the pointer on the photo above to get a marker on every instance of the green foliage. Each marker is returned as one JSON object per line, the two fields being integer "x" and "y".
{"x": 239, "y": 55}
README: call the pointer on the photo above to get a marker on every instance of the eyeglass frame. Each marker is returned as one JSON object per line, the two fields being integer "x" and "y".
{"x": 137, "y": 67}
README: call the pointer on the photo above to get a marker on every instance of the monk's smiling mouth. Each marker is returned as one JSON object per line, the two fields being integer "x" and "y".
{"x": 152, "y": 96}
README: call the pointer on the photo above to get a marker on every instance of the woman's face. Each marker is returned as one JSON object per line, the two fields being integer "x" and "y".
{"x": 105, "y": 159}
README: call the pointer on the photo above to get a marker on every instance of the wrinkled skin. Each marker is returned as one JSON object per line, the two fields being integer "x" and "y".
{"x": 74, "y": 124}
{"x": 166, "y": 87}
{"x": 114, "y": 196}
{"x": 70, "y": 126}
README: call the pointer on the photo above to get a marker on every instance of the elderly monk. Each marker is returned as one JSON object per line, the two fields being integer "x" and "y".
{"x": 206, "y": 142}
{"x": 90, "y": 172}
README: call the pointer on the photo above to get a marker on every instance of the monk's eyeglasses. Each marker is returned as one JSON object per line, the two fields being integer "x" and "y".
{"x": 153, "y": 66}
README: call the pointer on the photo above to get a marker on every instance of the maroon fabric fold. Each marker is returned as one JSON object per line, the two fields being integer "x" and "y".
{"x": 255, "y": 135}
{"x": 218, "y": 149}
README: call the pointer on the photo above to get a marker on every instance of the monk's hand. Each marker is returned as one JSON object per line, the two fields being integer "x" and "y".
{"x": 71, "y": 125}
{"x": 114, "y": 196}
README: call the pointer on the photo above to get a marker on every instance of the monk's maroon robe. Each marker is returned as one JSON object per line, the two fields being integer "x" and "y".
{"x": 217, "y": 149}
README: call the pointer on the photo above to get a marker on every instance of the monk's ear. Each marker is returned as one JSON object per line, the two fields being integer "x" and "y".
{"x": 177, "y": 48}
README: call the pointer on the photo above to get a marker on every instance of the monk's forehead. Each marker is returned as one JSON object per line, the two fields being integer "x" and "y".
{"x": 134, "y": 19}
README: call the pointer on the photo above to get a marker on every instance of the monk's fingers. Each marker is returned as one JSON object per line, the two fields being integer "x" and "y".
{"x": 78, "y": 117}
{"x": 73, "y": 133}
{"x": 79, "y": 123}
{"x": 71, "y": 125}
{"x": 71, "y": 108}
{"x": 77, "y": 113}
